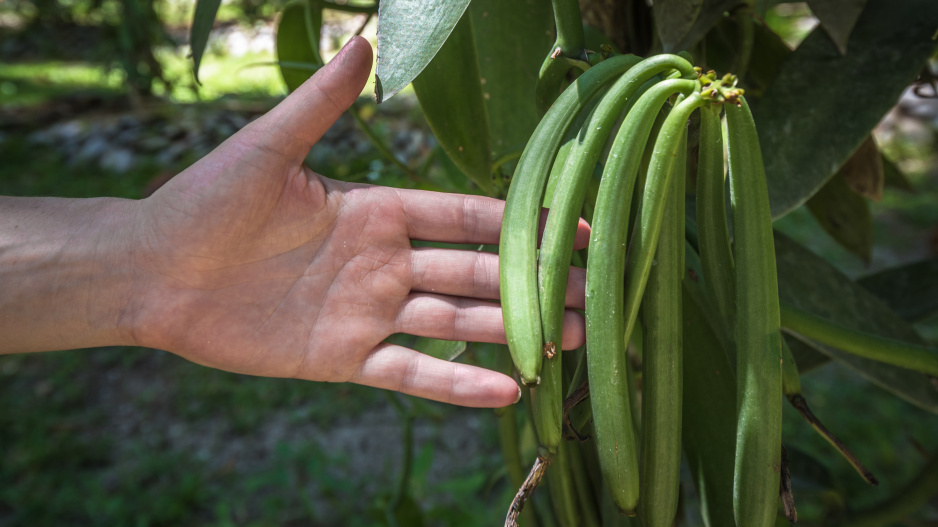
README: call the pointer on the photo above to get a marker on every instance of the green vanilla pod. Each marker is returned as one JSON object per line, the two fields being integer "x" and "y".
{"x": 561, "y": 486}
{"x": 708, "y": 419}
{"x": 662, "y": 363}
{"x": 568, "y": 187}
{"x": 654, "y": 199}
{"x": 586, "y": 498}
{"x": 716, "y": 253}
{"x": 605, "y": 335}
{"x": 758, "y": 336}
{"x": 717, "y": 263}
{"x": 518, "y": 243}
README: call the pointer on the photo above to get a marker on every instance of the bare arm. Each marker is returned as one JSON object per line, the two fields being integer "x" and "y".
{"x": 250, "y": 262}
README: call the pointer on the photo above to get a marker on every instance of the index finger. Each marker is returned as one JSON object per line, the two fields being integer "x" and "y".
{"x": 462, "y": 218}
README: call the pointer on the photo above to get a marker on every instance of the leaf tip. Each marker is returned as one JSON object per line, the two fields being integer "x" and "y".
{"x": 379, "y": 90}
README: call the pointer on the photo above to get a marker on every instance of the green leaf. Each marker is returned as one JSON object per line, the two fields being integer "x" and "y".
{"x": 450, "y": 94}
{"x": 910, "y": 290}
{"x": 806, "y": 357}
{"x": 410, "y": 32}
{"x": 298, "y": 42}
{"x": 711, "y": 11}
{"x": 808, "y": 473}
{"x": 822, "y": 105}
{"x": 808, "y": 282}
{"x": 845, "y": 216}
{"x": 769, "y": 51}
{"x": 674, "y": 19}
{"x": 476, "y": 75}
{"x": 837, "y": 17}
{"x": 864, "y": 170}
{"x": 441, "y": 349}
{"x": 511, "y": 40}
{"x": 202, "y": 23}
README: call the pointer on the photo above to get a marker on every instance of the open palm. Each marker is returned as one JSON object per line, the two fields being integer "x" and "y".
{"x": 252, "y": 263}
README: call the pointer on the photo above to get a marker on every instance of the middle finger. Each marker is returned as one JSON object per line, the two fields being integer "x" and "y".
{"x": 474, "y": 274}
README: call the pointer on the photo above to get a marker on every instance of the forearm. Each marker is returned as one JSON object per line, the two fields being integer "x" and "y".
{"x": 65, "y": 273}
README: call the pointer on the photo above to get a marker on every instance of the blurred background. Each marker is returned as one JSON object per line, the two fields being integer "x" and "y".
{"x": 97, "y": 98}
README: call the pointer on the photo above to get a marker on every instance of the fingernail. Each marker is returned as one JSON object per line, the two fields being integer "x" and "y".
{"x": 519, "y": 395}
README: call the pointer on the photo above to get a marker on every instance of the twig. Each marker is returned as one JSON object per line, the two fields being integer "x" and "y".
{"x": 575, "y": 398}
{"x": 801, "y": 405}
{"x": 527, "y": 488}
{"x": 361, "y": 28}
{"x": 784, "y": 490}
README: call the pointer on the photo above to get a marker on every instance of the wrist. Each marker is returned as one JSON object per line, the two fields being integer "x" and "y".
{"x": 66, "y": 273}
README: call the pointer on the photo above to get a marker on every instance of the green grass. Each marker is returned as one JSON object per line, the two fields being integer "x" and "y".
{"x": 113, "y": 437}
{"x": 32, "y": 84}
{"x": 249, "y": 75}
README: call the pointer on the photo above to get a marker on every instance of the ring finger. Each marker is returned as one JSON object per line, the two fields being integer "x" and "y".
{"x": 474, "y": 274}
{"x": 454, "y": 318}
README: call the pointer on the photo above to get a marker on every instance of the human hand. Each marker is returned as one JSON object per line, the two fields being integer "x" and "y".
{"x": 252, "y": 263}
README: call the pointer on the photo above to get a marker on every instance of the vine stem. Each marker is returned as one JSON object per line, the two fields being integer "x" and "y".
{"x": 369, "y": 9}
{"x": 784, "y": 490}
{"x": 538, "y": 470}
{"x": 403, "y": 482}
{"x": 569, "y": 24}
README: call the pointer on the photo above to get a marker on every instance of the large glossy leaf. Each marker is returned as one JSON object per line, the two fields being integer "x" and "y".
{"x": 822, "y": 104}
{"x": 845, "y": 216}
{"x": 450, "y": 93}
{"x": 202, "y": 23}
{"x": 711, "y": 11}
{"x": 768, "y": 54}
{"x": 511, "y": 40}
{"x": 297, "y": 33}
{"x": 808, "y": 282}
{"x": 410, "y": 32}
{"x": 910, "y": 290}
{"x": 489, "y": 82}
{"x": 673, "y": 19}
{"x": 837, "y": 17}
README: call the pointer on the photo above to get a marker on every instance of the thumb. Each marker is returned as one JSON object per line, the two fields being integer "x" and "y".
{"x": 307, "y": 113}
